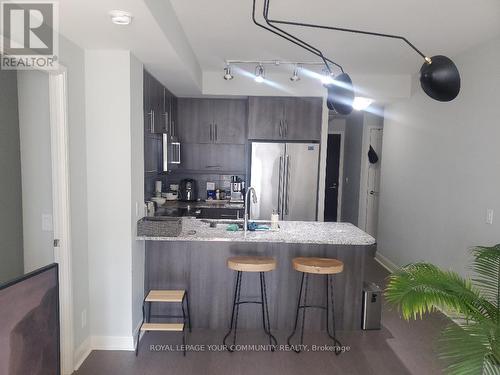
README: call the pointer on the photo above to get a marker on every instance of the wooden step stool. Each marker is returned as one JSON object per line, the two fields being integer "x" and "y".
{"x": 165, "y": 296}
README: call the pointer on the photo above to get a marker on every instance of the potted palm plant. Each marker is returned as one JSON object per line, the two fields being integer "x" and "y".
{"x": 471, "y": 345}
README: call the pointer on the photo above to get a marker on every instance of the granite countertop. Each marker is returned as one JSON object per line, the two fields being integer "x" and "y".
{"x": 203, "y": 204}
{"x": 307, "y": 232}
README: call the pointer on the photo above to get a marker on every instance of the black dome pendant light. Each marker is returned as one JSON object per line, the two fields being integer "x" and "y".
{"x": 439, "y": 76}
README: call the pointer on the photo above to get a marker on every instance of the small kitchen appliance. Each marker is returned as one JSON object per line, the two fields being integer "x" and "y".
{"x": 237, "y": 187}
{"x": 188, "y": 190}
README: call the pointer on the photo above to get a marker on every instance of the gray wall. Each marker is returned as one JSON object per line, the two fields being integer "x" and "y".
{"x": 11, "y": 225}
{"x": 352, "y": 167}
{"x": 441, "y": 169}
{"x": 36, "y": 167}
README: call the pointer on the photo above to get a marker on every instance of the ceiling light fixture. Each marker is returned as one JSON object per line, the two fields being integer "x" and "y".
{"x": 120, "y": 17}
{"x": 360, "y": 103}
{"x": 227, "y": 73}
{"x": 259, "y": 73}
{"x": 295, "y": 77}
{"x": 326, "y": 78}
{"x": 439, "y": 76}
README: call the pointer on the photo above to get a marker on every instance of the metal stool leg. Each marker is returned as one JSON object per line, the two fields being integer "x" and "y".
{"x": 299, "y": 306}
{"x": 265, "y": 311}
{"x": 234, "y": 320}
{"x": 329, "y": 292}
{"x": 139, "y": 332}
{"x": 188, "y": 311}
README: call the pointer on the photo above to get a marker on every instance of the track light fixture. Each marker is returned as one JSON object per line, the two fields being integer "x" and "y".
{"x": 439, "y": 76}
{"x": 259, "y": 73}
{"x": 227, "y": 73}
{"x": 295, "y": 76}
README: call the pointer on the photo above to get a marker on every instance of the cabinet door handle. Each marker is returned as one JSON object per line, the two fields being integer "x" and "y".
{"x": 151, "y": 121}
{"x": 211, "y": 133}
{"x": 286, "y": 128}
{"x": 216, "y": 135}
{"x": 281, "y": 129}
{"x": 287, "y": 184}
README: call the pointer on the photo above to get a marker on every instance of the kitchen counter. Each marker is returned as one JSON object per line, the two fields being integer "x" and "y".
{"x": 300, "y": 232}
{"x": 198, "y": 263}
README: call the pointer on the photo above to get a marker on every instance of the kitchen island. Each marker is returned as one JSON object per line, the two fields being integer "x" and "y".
{"x": 196, "y": 261}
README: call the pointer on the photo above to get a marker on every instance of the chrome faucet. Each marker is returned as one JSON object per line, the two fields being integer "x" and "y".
{"x": 247, "y": 206}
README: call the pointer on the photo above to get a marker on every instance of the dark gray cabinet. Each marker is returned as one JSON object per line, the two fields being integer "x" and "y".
{"x": 212, "y": 158}
{"x": 285, "y": 118}
{"x": 211, "y": 121}
{"x": 154, "y": 110}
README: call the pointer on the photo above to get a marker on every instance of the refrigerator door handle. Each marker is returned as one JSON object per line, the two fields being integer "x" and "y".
{"x": 280, "y": 190}
{"x": 287, "y": 183}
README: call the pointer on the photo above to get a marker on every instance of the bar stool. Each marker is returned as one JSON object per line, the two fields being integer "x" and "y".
{"x": 165, "y": 296}
{"x": 242, "y": 264}
{"x": 316, "y": 266}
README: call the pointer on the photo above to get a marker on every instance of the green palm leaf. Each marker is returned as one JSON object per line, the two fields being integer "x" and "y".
{"x": 470, "y": 348}
{"x": 422, "y": 287}
{"x": 486, "y": 266}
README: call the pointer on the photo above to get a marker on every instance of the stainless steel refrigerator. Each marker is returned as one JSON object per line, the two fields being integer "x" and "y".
{"x": 285, "y": 178}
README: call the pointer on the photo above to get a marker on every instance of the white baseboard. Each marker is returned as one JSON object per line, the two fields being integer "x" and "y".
{"x": 385, "y": 262}
{"x": 112, "y": 343}
{"x": 81, "y": 353}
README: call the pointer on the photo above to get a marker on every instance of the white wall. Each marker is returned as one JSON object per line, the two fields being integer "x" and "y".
{"x": 137, "y": 183}
{"x": 440, "y": 170}
{"x": 36, "y": 167}
{"x": 112, "y": 162}
{"x": 73, "y": 59}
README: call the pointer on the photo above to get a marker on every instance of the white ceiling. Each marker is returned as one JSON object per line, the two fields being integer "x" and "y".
{"x": 182, "y": 41}
{"x": 223, "y": 29}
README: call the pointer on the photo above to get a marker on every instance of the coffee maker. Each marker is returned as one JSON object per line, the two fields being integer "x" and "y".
{"x": 188, "y": 190}
{"x": 237, "y": 189}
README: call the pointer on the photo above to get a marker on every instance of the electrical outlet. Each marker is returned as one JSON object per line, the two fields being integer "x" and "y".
{"x": 489, "y": 216}
{"x": 47, "y": 225}
{"x": 84, "y": 318}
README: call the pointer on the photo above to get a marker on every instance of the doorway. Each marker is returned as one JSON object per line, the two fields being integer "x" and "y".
{"x": 333, "y": 180}
{"x": 373, "y": 181}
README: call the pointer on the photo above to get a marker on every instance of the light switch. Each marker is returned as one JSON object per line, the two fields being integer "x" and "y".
{"x": 47, "y": 225}
{"x": 489, "y": 216}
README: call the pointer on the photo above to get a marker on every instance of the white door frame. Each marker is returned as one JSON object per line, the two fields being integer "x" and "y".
{"x": 61, "y": 210}
{"x": 363, "y": 186}
{"x": 341, "y": 173}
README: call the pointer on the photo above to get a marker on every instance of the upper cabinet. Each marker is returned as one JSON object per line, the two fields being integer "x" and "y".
{"x": 285, "y": 118}
{"x": 157, "y": 106}
{"x": 212, "y": 120}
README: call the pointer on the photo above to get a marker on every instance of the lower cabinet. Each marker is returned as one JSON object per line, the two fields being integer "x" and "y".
{"x": 221, "y": 213}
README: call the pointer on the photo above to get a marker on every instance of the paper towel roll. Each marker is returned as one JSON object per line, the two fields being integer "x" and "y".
{"x": 158, "y": 186}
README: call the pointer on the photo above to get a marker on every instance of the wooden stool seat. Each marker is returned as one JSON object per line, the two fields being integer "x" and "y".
{"x": 251, "y": 264}
{"x": 320, "y": 266}
{"x": 165, "y": 327}
{"x": 165, "y": 296}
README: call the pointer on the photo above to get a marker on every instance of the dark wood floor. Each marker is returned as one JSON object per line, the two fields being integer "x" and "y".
{"x": 399, "y": 348}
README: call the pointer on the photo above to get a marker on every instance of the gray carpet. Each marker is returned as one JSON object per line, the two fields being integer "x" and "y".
{"x": 399, "y": 348}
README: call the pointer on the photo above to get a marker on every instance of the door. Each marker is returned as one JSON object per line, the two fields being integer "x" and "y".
{"x": 265, "y": 118}
{"x": 301, "y": 181}
{"x": 373, "y": 183}
{"x": 332, "y": 178}
{"x": 266, "y": 177}
{"x": 195, "y": 121}
{"x": 229, "y": 119}
{"x": 303, "y": 117}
